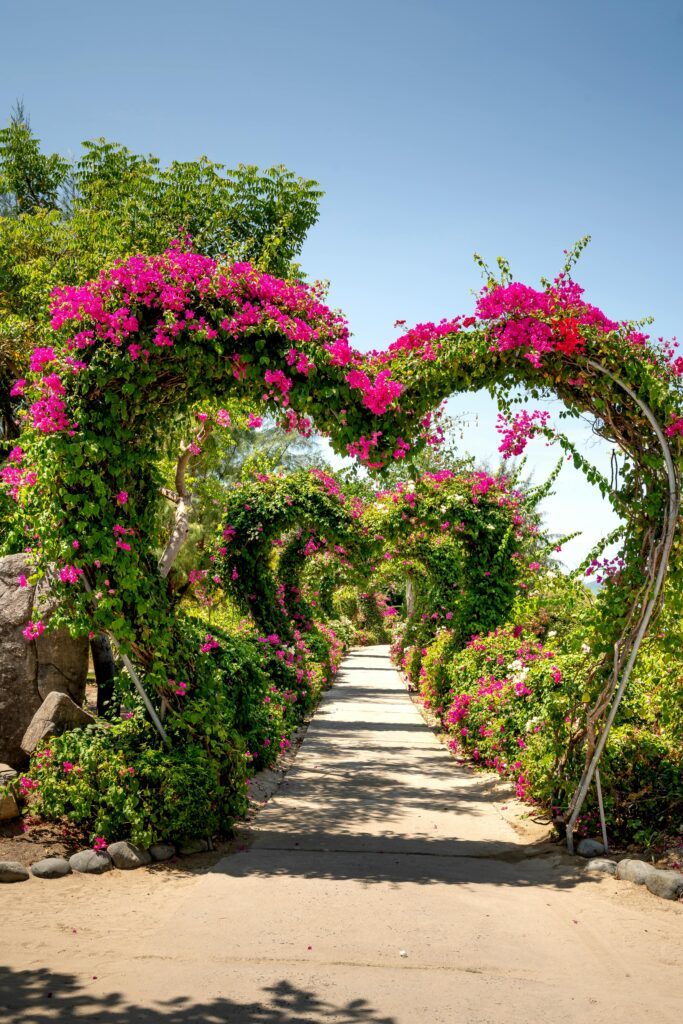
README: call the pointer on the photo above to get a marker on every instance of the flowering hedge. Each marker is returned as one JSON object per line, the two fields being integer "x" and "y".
{"x": 513, "y": 701}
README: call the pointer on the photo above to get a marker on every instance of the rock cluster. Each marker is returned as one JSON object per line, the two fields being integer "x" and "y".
{"x": 668, "y": 885}
{"x": 31, "y": 670}
{"x": 122, "y": 855}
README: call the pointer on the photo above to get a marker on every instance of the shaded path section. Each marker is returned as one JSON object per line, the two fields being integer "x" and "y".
{"x": 381, "y": 886}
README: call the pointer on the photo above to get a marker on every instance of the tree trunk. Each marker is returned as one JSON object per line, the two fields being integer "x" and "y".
{"x": 105, "y": 673}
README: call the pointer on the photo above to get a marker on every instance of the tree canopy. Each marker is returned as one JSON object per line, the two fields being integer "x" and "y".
{"x": 63, "y": 219}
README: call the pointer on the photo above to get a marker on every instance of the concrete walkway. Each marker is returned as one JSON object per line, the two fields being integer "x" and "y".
{"x": 382, "y": 885}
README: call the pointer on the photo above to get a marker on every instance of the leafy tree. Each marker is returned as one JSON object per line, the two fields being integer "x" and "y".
{"x": 62, "y": 221}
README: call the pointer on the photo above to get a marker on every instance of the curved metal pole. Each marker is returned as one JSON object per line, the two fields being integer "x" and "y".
{"x": 668, "y": 538}
{"x": 130, "y": 668}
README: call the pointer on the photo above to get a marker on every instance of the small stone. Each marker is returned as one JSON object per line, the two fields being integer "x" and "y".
{"x": 8, "y": 807}
{"x": 162, "y": 851}
{"x": 666, "y": 884}
{"x": 126, "y": 856}
{"x": 12, "y": 871}
{"x": 636, "y": 871}
{"x": 602, "y": 866}
{"x": 402, "y": 952}
{"x": 191, "y": 846}
{"x": 590, "y": 848}
{"x": 7, "y": 774}
{"x": 51, "y": 867}
{"x": 91, "y": 862}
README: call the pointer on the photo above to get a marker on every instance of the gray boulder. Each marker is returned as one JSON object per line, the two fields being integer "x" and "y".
{"x": 30, "y": 670}
{"x": 12, "y": 871}
{"x": 590, "y": 848}
{"x": 51, "y": 867}
{"x": 636, "y": 871}
{"x": 90, "y": 862}
{"x": 57, "y": 714}
{"x": 162, "y": 851}
{"x": 191, "y": 846}
{"x": 126, "y": 856}
{"x": 666, "y": 884}
{"x": 602, "y": 866}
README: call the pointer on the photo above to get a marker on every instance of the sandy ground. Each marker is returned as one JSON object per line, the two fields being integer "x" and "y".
{"x": 381, "y": 884}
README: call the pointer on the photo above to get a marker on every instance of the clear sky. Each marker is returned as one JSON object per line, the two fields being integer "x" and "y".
{"x": 436, "y": 128}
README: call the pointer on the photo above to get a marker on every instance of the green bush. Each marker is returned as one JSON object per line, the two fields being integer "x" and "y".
{"x": 246, "y": 698}
{"x": 121, "y": 784}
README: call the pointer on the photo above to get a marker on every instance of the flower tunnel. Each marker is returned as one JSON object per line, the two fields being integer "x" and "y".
{"x": 137, "y": 349}
{"x": 308, "y": 510}
{"x": 468, "y": 536}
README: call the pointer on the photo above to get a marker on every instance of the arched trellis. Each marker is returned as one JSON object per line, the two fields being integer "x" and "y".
{"x": 306, "y": 511}
{"x": 154, "y": 336}
{"x": 643, "y": 610}
{"x": 479, "y": 519}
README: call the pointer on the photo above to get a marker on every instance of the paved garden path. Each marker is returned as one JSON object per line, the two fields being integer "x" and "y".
{"x": 380, "y": 885}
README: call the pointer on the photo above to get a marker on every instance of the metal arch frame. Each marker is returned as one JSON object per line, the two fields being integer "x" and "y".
{"x": 664, "y": 544}
{"x": 137, "y": 682}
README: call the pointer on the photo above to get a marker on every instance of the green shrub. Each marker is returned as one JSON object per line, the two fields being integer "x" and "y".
{"x": 121, "y": 784}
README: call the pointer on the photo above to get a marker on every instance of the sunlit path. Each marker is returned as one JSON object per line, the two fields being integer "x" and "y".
{"x": 382, "y": 885}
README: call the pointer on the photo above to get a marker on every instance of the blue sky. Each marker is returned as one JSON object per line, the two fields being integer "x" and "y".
{"x": 436, "y": 128}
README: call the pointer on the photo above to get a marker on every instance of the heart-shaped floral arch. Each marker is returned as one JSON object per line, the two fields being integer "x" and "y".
{"x": 153, "y": 337}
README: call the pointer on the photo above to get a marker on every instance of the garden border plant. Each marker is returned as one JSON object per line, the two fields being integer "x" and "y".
{"x": 154, "y": 336}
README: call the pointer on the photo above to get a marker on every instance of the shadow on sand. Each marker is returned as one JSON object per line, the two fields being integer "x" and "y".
{"x": 31, "y": 997}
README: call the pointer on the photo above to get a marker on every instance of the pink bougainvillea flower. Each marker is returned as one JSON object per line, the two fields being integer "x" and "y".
{"x": 122, "y": 497}
{"x": 34, "y": 629}
{"x": 70, "y": 573}
{"x": 210, "y": 644}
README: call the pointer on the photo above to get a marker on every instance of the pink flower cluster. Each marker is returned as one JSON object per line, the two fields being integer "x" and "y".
{"x": 329, "y": 483}
{"x": 517, "y": 433}
{"x": 34, "y": 629}
{"x": 106, "y": 311}
{"x": 540, "y": 322}
{"x": 361, "y": 449}
{"x": 605, "y": 568}
{"x": 210, "y": 644}
{"x": 70, "y": 574}
{"x": 15, "y": 475}
{"x": 377, "y": 395}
